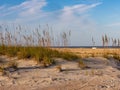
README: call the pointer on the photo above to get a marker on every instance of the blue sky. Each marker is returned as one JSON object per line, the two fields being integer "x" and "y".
{"x": 85, "y": 18}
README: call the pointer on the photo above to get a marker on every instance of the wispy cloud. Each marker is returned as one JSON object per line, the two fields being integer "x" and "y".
{"x": 70, "y": 11}
{"x": 80, "y": 8}
{"x": 25, "y": 9}
{"x": 32, "y": 7}
{"x": 32, "y": 10}
{"x": 2, "y": 7}
{"x": 77, "y": 16}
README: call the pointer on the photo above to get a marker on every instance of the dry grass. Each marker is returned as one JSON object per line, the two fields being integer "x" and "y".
{"x": 2, "y": 71}
{"x": 59, "y": 68}
{"x": 34, "y": 43}
{"x": 13, "y": 64}
{"x": 89, "y": 52}
{"x": 81, "y": 64}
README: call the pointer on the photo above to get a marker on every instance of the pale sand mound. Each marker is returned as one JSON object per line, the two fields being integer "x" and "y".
{"x": 102, "y": 74}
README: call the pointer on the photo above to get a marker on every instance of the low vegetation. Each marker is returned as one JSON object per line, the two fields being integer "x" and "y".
{"x": 13, "y": 65}
{"x": 35, "y": 44}
{"x": 81, "y": 64}
{"x": 116, "y": 57}
{"x": 2, "y": 71}
{"x": 40, "y": 54}
{"x": 59, "y": 68}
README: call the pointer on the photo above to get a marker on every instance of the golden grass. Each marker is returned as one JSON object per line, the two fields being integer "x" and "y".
{"x": 89, "y": 52}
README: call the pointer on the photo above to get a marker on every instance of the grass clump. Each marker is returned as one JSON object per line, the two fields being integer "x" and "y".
{"x": 116, "y": 57}
{"x": 2, "y": 71}
{"x": 59, "y": 68}
{"x": 93, "y": 54}
{"x": 2, "y": 50}
{"x": 41, "y": 54}
{"x": 46, "y": 61}
{"x": 81, "y": 64}
{"x": 13, "y": 64}
{"x": 105, "y": 55}
{"x": 17, "y": 42}
{"x": 12, "y": 51}
{"x": 69, "y": 56}
{"x": 24, "y": 53}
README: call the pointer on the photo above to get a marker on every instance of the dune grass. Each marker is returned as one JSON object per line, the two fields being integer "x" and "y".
{"x": 16, "y": 41}
{"x": 2, "y": 71}
{"x": 40, "y": 54}
{"x": 81, "y": 64}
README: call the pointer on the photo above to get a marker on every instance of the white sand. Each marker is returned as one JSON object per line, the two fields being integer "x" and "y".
{"x": 102, "y": 75}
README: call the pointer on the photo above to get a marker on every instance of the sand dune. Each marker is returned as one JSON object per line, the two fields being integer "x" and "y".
{"x": 101, "y": 74}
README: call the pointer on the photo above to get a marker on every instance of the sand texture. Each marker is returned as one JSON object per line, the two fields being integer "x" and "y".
{"x": 100, "y": 74}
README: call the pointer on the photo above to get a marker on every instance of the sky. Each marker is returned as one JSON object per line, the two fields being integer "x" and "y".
{"x": 85, "y": 18}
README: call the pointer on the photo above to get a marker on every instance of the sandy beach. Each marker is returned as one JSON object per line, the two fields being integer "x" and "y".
{"x": 59, "y": 45}
{"x": 100, "y": 74}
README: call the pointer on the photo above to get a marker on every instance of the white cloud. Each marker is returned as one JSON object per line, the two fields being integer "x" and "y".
{"x": 77, "y": 16}
{"x": 32, "y": 10}
{"x": 32, "y": 7}
{"x": 80, "y": 8}
{"x": 28, "y": 9}
{"x": 69, "y": 12}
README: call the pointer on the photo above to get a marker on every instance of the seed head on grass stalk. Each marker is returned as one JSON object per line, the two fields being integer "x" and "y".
{"x": 30, "y": 48}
